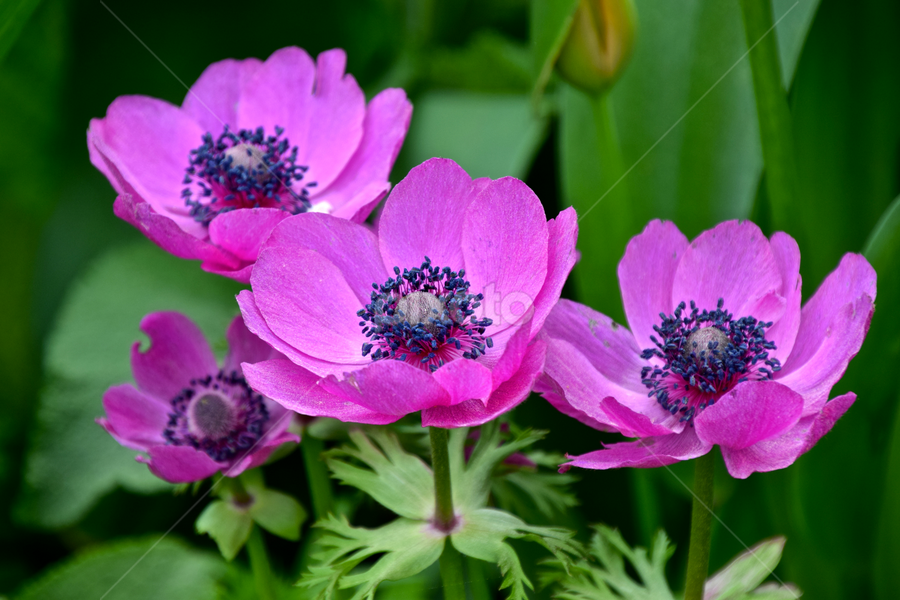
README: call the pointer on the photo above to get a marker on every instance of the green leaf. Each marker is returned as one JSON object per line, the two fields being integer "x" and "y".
{"x": 277, "y": 513}
{"x": 746, "y": 572}
{"x": 489, "y": 135}
{"x": 794, "y": 20}
{"x": 72, "y": 461}
{"x": 13, "y": 16}
{"x": 407, "y": 547}
{"x": 145, "y": 569}
{"x": 488, "y": 63}
{"x": 882, "y": 249}
{"x": 549, "y": 22}
{"x": 396, "y": 479}
{"x": 227, "y": 525}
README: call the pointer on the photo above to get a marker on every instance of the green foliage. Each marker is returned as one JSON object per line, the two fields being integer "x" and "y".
{"x": 13, "y": 16}
{"x": 144, "y": 569}
{"x": 529, "y": 492}
{"x": 227, "y": 525}
{"x": 550, "y": 22}
{"x": 72, "y": 460}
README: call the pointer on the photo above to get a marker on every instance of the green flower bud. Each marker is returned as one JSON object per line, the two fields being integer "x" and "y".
{"x": 599, "y": 44}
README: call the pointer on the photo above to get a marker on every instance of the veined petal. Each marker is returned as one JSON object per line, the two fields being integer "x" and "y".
{"x": 389, "y": 387}
{"x": 180, "y": 464}
{"x": 784, "y": 331}
{"x": 243, "y": 346}
{"x": 213, "y": 99}
{"x": 643, "y": 454}
{"x": 134, "y": 419}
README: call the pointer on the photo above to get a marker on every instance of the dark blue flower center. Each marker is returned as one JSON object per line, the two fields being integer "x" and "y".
{"x": 702, "y": 355}
{"x": 424, "y": 316}
{"x": 219, "y": 415}
{"x": 246, "y": 169}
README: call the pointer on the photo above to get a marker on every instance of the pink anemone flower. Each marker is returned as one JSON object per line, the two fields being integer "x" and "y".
{"x": 253, "y": 143}
{"x": 189, "y": 416}
{"x": 719, "y": 352}
{"x": 435, "y": 313}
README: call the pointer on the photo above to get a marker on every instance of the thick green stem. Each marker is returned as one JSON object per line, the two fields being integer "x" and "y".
{"x": 259, "y": 564}
{"x": 478, "y": 584}
{"x": 444, "y": 518}
{"x": 701, "y": 527}
{"x": 774, "y": 115}
{"x": 317, "y": 477}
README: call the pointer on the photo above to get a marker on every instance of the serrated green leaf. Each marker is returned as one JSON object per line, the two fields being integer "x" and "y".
{"x": 145, "y": 569}
{"x": 396, "y": 479}
{"x": 227, "y": 525}
{"x": 277, "y": 513}
{"x": 549, "y": 24}
{"x": 407, "y": 548}
{"x": 72, "y": 461}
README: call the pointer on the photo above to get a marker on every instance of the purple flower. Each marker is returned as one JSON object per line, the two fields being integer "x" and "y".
{"x": 253, "y": 143}
{"x": 719, "y": 352}
{"x": 436, "y": 313}
{"x": 191, "y": 417}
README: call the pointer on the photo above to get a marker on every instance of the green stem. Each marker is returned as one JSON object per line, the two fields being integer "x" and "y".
{"x": 444, "y": 518}
{"x": 259, "y": 564}
{"x": 478, "y": 584}
{"x": 776, "y": 133}
{"x": 317, "y": 477}
{"x": 701, "y": 527}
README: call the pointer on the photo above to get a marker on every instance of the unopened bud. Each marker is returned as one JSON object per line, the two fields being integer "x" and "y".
{"x": 599, "y": 44}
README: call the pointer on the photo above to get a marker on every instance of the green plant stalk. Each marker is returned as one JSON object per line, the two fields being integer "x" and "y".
{"x": 478, "y": 584}
{"x": 259, "y": 564}
{"x": 701, "y": 527}
{"x": 317, "y": 476}
{"x": 775, "y": 129}
{"x": 451, "y": 563}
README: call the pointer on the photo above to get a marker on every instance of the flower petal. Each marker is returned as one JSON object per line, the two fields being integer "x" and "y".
{"x": 242, "y": 232}
{"x": 134, "y": 419}
{"x": 563, "y": 233}
{"x": 180, "y": 464}
{"x": 643, "y": 454}
{"x": 390, "y": 387}
{"x": 424, "y": 216}
{"x": 213, "y": 99}
{"x": 298, "y": 390}
{"x": 464, "y": 379}
{"x": 732, "y": 261}
{"x": 261, "y": 452}
{"x": 630, "y": 423}
{"x": 505, "y": 248}
{"x": 784, "y": 331}
{"x": 646, "y": 274}
{"x": 289, "y": 285}
{"x": 178, "y": 353}
{"x": 781, "y": 451}
{"x": 384, "y": 129}
{"x": 750, "y": 413}
{"x": 149, "y": 142}
{"x": 506, "y": 397}
{"x": 833, "y": 325}
{"x": 351, "y": 247}
{"x": 243, "y": 346}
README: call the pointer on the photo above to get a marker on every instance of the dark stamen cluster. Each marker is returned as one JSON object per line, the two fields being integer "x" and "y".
{"x": 445, "y": 330}
{"x": 249, "y": 414}
{"x": 697, "y": 367}
{"x": 246, "y": 169}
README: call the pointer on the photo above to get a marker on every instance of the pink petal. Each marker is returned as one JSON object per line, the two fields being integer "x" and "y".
{"x": 357, "y": 206}
{"x": 298, "y": 390}
{"x": 178, "y": 353}
{"x": 390, "y": 387}
{"x": 504, "y": 244}
{"x": 630, "y": 423}
{"x": 180, "y": 464}
{"x": 149, "y": 142}
{"x": 243, "y": 346}
{"x": 750, "y": 413}
{"x": 384, "y": 129}
{"x": 255, "y": 322}
{"x": 289, "y": 286}
{"x": 561, "y": 257}
{"x": 784, "y": 331}
{"x": 511, "y": 352}
{"x": 643, "y": 454}
{"x": 165, "y": 233}
{"x": 242, "y": 232}
{"x": 463, "y": 380}
{"x": 352, "y": 248}
{"x": 646, "y": 274}
{"x": 134, "y": 419}
{"x": 424, "y": 216}
{"x": 506, "y": 397}
{"x": 781, "y": 451}
{"x": 732, "y": 261}
{"x": 553, "y": 393}
{"x": 261, "y": 453}
{"x": 213, "y": 99}
{"x": 833, "y": 325}
{"x": 336, "y": 117}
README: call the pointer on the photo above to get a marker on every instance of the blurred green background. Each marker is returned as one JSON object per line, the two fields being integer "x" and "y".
{"x": 685, "y": 123}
